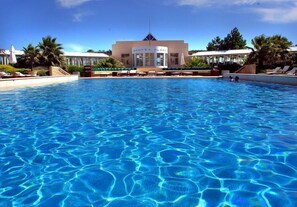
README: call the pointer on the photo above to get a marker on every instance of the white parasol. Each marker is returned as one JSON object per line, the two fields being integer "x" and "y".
{"x": 12, "y": 57}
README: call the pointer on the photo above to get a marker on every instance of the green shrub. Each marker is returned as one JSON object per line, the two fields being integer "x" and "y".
{"x": 42, "y": 72}
{"x": 8, "y": 68}
{"x": 74, "y": 68}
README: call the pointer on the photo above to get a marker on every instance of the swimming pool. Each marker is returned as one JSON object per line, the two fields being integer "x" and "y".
{"x": 149, "y": 142}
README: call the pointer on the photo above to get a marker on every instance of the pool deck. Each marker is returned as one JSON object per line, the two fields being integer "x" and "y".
{"x": 277, "y": 78}
{"x": 151, "y": 77}
{"x": 11, "y": 83}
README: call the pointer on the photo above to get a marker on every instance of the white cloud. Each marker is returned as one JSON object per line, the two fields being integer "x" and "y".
{"x": 214, "y": 3}
{"x": 277, "y": 15}
{"x": 272, "y": 11}
{"x": 77, "y": 17}
{"x": 73, "y": 47}
{"x": 71, "y": 3}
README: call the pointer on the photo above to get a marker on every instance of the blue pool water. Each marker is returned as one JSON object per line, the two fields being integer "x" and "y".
{"x": 149, "y": 142}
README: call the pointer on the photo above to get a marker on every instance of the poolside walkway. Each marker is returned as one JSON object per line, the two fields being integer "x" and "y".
{"x": 279, "y": 79}
{"x": 11, "y": 83}
{"x": 151, "y": 77}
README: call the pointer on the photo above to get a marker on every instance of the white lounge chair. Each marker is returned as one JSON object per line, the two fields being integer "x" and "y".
{"x": 132, "y": 73}
{"x": 19, "y": 74}
{"x": 293, "y": 71}
{"x": 151, "y": 73}
{"x": 275, "y": 70}
{"x": 4, "y": 74}
{"x": 285, "y": 69}
{"x": 123, "y": 73}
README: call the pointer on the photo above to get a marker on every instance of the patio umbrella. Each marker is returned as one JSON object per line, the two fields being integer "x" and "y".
{"x": 12, "y": 57}
{"x": 182, "y": 59}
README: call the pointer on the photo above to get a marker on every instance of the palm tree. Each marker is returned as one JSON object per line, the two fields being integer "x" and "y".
{"x": 51, "y": 52}
{"x": 279, "y": 49}
{"x": 31, "y": 56}
{"x": 270, "y": 51}
{"x": 260, "y": 54}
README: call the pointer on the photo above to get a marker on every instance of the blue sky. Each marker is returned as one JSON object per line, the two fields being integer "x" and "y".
{"x": 97, "y": 24}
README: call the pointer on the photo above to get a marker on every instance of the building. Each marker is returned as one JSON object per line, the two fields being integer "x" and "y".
{"x": 151, "y": 53}
{"x": 224, "y": 56}
{"x": 228, "y": 56}
{"x": 83, "y": 58}
{"x": 72, "y": 58}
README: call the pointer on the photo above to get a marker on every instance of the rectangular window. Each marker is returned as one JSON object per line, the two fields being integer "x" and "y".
{"x": 160, "y": 59}
{"x": 125, "y": 59}
{"x": 139, "y": 60}
{"x": 149, "y": 59}
{"x": 174, "y": 58}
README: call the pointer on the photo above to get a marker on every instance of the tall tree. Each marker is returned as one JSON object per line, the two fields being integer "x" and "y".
{"x": 270, "y": 51}
{"x": 51, "y": 52}
{"x": 215, "y": 44}
{"x": 31, "y": 56}
{"x": 232, "y": 41}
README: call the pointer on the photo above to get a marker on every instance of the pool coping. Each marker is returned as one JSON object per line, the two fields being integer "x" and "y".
{"x": 150, "y": 77}
{"x": 277, "y": 78}
{"x": 12, "y": 83}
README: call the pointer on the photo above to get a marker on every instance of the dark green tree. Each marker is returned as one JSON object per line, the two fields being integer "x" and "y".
{"x": 232, "y": 41}
{"x": 270, "y": 51}
{"x": 51, "y": 52}
{"x": 215, "y": 44}
{"x": 31, "y": 56}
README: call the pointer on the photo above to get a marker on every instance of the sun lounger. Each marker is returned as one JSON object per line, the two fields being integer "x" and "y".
{"x": 123, "y": 73}
{"x": 160, "y": 73}
{"x": 285, "y": 69}
{"x": 187, "y": 73}
{"x": 176, "y": 73}
{"x": 132, "y": 73}
{"x": 275, "y": 70}
{"x": 151, "y": 73}
{"x": 20, "y": 75}
{"x": 5, "y": 75}
{"x": 293, "y": 71}
{"x": 141, "y": 73}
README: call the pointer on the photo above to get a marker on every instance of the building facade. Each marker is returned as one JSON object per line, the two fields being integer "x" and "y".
{"x": 151, "y": 53}
{"x": 72, "y": 58}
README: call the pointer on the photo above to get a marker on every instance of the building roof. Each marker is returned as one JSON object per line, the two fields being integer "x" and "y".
{"x": 68, "y": 54}
{"x": 231, "y": 52}
{"x": 223, "y": 52}
{"x": 85, "y": 54}
{"x": 149, "y": 37}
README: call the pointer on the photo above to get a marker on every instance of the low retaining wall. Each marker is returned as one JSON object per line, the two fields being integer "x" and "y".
{"x": 35, "y": 81}
{"x": 280, "y": 79}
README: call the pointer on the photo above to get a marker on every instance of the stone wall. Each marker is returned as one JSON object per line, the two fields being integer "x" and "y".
{"x": 57, "y": 71}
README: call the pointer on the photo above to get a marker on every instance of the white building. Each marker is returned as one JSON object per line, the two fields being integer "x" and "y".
{"x": 72, "y": 58}
{"x": 228, "y": 56}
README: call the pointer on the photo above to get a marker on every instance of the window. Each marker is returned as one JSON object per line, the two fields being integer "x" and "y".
{"x": 139, "y": 60}
{"x": 160, "y": 59}
{"x": 125, "y": 59}
{"x": 149, "y": 59}
{"x": 174, "y": 58}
